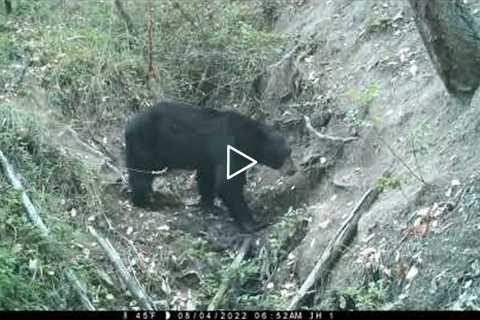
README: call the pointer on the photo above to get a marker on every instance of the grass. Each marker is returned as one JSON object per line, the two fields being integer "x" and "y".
{"x": 94, "y": 73}
{"x": 369, "y": 297}
{"x": 388, "y": 183}
{"x": 30, "y": 268}
{"x": 358, "y": 114}
{"x": 94, "y": 70}
{"x": 33, "y": 274}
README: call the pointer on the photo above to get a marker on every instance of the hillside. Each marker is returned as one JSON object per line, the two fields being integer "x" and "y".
{"x": 349, "y": 83}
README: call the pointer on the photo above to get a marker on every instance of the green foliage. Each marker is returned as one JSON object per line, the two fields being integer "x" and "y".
{"x": 17, "y": 290}
{"x": 32, "y": 272}
{"x": 421, "y": 138}
{"x": 247, "y": 291}
{"x": 25, "y": 141}
{"x": 379, "y": 24}
{"x": 27, "y": 279}
{"x": 282, "y": 238}
{"x": 9, "y": 64}
{"x": 361, "y": 101}
{"x": 94, "y": 72}
{"x": 94, "y": 69}
{"x": 5, "y": 47}
{"x": 369, "y": 94}
{"x": 386, "y": 183}
{"x": 85, "y": 62}
{"x": 370, "y": 297}
{"x": 218, "y": 50}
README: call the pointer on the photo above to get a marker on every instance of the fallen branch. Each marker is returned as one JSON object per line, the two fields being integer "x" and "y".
{"x": 79, "y": 289}
{"x": 132, "y": 284}
{"x": 34, "y": 217}
{"x": 227, "y": 280}
{"x": 337, "y": 244}
{"x": 287, "y": 56}
{"x": 27, "y": 204}
{"x": 309, "y": 126}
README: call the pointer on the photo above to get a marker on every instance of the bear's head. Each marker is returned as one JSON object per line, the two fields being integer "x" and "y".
{"x": 274, "y": 151}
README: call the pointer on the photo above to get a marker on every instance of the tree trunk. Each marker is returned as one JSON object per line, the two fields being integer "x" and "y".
{"x": 452, "y": 39}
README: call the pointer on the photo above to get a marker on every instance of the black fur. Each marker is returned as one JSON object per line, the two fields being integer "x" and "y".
{"x": 181, "y": 136}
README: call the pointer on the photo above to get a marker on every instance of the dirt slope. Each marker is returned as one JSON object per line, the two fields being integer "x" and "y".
{"x": 370, "y": 51}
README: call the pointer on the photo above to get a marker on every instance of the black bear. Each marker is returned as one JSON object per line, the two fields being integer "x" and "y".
{"x": 181, "y": 136}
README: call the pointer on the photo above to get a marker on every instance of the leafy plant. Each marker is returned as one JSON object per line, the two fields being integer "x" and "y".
{"x": 370, "y": 297}
{"x": 357, "y": 114}
{"x": 385, "y": 183}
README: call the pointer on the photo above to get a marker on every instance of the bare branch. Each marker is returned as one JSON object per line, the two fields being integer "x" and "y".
{"x": 150, "y": 29}
{"x": 392, "y": 151}
{"x": 309, "y": 126}
{"x": 132, "y": 284}
{"x": 337, "y": 244}
{"x": 79, "y": 289}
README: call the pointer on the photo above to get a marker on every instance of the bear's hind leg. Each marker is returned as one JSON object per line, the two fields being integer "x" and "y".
{"x": 206, "y": 187}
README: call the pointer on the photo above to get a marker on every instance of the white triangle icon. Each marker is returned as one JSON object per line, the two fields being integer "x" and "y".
{"x": 251, "y": 164}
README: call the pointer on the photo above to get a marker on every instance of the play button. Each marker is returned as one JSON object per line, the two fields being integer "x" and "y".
{"x": 252, "y": 162}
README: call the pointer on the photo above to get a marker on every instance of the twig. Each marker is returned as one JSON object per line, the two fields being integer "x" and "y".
{"x": 102, "y": 148}
{"x": 226, "y": 281}
{"x": 203, "y": 79}
{"x": 125, "y": 16}
{"x": 336, "y": 245}
{"x": 134, "y": 287}
{"x": 140, "y": 258}
{"x": 416, "y": 176}
{"x": 150, "y": 29}
{"x": 75, "y": 137}
{"x": 287, "y": 56}
{"x": 34, "y": 217}
{"x": 309, "y": 126}
{"x": 107, "y": 161}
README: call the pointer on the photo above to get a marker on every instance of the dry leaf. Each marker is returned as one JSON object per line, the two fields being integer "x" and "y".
{"x": 324, "y": 224}
{"x": 163, "y": 228}
{"x": 412, "y": 273}
{"x": 401, "y": 270}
